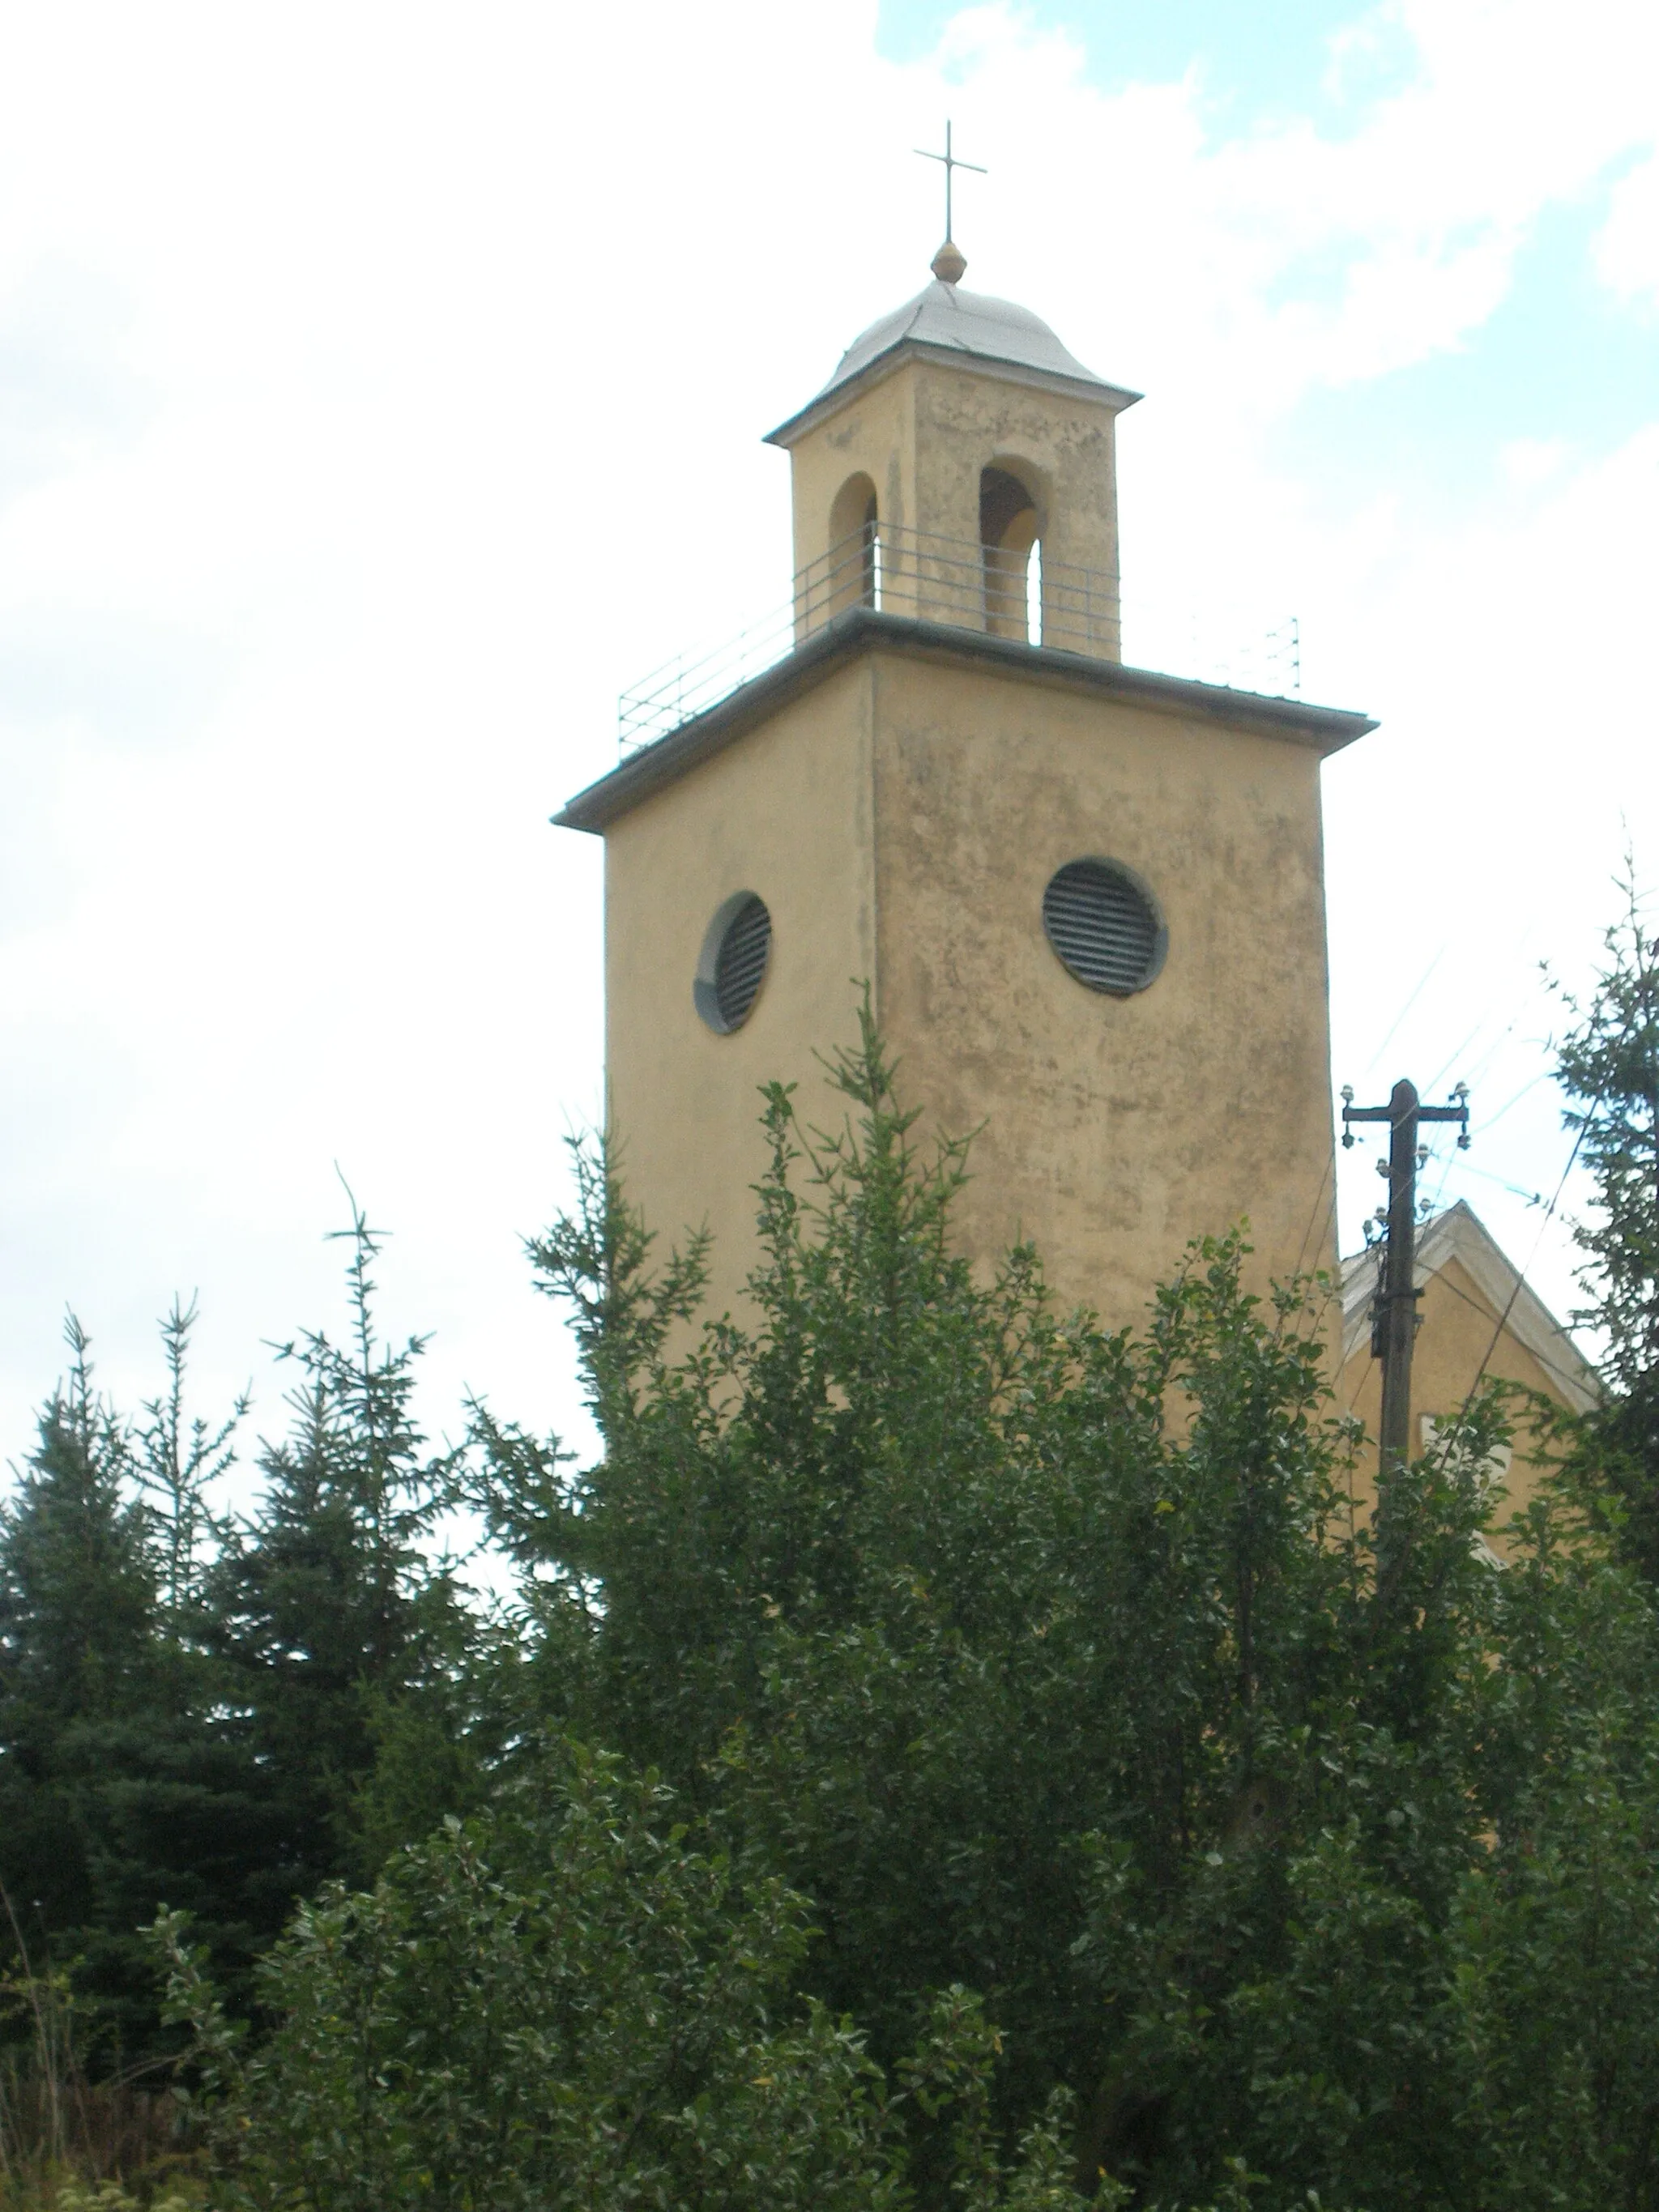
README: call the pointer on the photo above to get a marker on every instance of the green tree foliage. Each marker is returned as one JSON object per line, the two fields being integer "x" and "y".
{"x": 336, "y": 1620}
{"x": 209, "y": 1715}
{"x": 1552, "y": 1955}
{"x": 580, "y": 2001}
{"x": 1609, "y": 1065}
{"x": 1018, "y": 1778}
{"x": 1051, "y": 1663}
{"x": 121, "y": 1780}
{"x": 78, "y": 1659}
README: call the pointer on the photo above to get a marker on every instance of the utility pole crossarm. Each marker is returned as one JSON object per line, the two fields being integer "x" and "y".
{"x": 1459, "y": 1113}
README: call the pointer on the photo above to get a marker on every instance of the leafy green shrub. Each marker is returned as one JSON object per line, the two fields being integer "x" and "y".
{"x": 578, "y": 2001}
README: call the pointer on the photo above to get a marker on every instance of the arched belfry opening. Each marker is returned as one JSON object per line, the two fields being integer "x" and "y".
{"x": 951, "y": 398}
{"x": 1011, "y": 535}
{"x": 853, "y": 539}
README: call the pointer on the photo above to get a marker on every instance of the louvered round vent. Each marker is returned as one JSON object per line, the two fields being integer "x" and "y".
{"x": 733, "y": 963}
{"x": 1104, "y": 925}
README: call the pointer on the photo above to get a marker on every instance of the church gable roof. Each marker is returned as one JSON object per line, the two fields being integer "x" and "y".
{"x": 1460, "y": 1234}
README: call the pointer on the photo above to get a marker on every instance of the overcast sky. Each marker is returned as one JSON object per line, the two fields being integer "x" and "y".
{"x": 381, "y": 391}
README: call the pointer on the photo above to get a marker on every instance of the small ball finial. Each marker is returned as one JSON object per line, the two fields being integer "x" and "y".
{"x": 950, "y": 264}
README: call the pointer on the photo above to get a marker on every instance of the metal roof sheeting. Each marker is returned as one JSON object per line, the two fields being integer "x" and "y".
{"x": 946, "y": 320}
{"x": 969, "y": 322}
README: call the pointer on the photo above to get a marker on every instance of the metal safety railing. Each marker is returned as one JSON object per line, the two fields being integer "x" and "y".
{"x": 1012, "y": 592}
{"x": 1246, "y": 651}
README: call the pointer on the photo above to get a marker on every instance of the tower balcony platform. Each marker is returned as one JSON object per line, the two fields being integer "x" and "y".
{"x": 916, "y": 576}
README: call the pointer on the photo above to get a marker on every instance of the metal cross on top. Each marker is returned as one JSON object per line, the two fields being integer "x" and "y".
{"x": 950, "y": 162}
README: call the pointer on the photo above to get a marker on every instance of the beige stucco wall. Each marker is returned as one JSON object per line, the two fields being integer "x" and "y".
{"x": 901, "y": 821}
{"x": 1063, "y": 451}
{"x": 1116, "y": 1129}
{"x": 786, "y": 813}
{"x": 875, "y": 435}
{"x": 1457, "y": 1326}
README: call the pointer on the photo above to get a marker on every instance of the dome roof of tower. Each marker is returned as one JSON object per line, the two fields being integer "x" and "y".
{"x": 966, "y": 322}
{"x": 945, "y": 318}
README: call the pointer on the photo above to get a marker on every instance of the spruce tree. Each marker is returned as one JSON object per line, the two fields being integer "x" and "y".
{"x": 127, "y": 1780}
{"x": 1609, "y": 1065}
{"x": 78, "y": 1658}
{"x": 331, "y": 1613}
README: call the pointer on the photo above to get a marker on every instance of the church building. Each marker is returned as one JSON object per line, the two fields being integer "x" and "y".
{"x": 1477, "y": 1317}
{"x": 1087, "y": 898}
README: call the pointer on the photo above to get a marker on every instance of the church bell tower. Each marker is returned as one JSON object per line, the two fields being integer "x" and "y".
{"x": 1088, "y": 898}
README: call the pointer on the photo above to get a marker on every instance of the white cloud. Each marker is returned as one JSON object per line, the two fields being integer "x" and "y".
{"x": 1627, "y": 245}
{"x": 1529, "y": 461}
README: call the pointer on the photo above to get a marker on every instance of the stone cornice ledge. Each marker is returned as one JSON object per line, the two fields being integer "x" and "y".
{"x": 1326, "y": 730}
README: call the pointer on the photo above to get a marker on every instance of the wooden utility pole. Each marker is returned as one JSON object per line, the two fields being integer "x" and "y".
{"x": 1396, "y": 1303}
